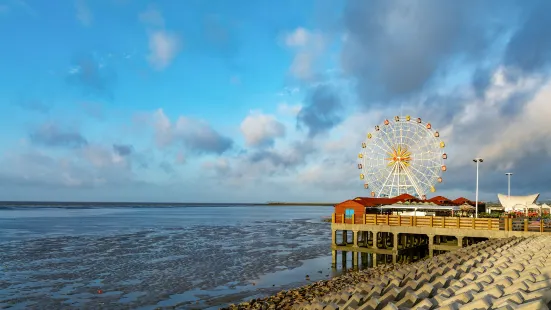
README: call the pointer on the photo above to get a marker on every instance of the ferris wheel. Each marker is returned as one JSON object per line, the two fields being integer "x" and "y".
{"x": 403, "y": 156}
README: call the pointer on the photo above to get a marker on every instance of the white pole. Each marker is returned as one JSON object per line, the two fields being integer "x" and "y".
{"x": 476, "y": 198}
{"x": 509, "y": 189}
{"x": 509, "y": 185}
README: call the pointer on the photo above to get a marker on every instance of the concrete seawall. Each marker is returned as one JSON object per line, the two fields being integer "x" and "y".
{"x": 505, "y": 273}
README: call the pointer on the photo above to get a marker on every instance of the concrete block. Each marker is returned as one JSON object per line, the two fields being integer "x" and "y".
{"x": 471, "y": 276}
{"x": 515, "y": 298}
{"x": 363, "y": 288}
{"x": 526, "y": 277}
{"x": 516, "y": 287}
{"x": 314, "y": 306}
{"x": 412, "y": 284}
{"x": 475, "y": 287}
{"x": 454, "y": 274}
{"x": 543, "y": 294}
{"x": 538, "y": 285}
{"x": 390, "y": 295}
{"x": 459, "y": 299}
{"x": 517, "y": 266}
{"x": 354, "y": 301}
{"x": 331, "y": 307}
{"x": 441, "y": 282}
{"x": 492, "y": 291}
{"x": 371, "y": 304}
{"x": 426, "y": 278}
{"x": 425, "y": 304}
{"x": 408, "y": 301}
{"x": 393, "y": 284}
{"x": 537, "y": 304}
{"x": 425, "y": 291}
{"x": 487, "y": 279}
{"x": 390, "y": 306}
{"x": 503, "y": 282}
{"x": 483, "y": 303}
{"x": 542, "y": 277}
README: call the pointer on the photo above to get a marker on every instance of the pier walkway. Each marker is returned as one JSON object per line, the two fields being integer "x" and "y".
{"x": 394, "y": 238}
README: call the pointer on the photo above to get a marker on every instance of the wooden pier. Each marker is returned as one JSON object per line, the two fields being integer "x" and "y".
{"x": 377, "y": 238}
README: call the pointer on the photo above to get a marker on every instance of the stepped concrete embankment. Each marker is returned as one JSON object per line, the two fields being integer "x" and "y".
{"x": 508, "y": 273}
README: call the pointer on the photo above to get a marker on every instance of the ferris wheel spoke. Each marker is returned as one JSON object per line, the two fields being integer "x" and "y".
{"x": 384, "y": 151}
{"x": 390, "y": 148}
{"x": 424, "y": 174}
{"x": 412, "y": 180}
{"x": 426, "y": 183}
{"x": 386, "y": 180}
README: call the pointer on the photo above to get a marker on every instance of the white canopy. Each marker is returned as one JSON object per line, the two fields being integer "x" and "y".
{"x": 511, "y": 203}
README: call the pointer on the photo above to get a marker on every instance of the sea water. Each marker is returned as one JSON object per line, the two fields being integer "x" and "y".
{"x": 191, "y": 257}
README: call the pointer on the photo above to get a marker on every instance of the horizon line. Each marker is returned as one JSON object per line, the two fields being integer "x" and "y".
{"x": 41, "y": 202}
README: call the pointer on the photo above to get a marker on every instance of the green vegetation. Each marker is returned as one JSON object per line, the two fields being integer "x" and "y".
{"x": 489, "y": 215}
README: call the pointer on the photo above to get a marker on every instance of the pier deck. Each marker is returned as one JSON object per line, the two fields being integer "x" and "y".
{"x": 409, "y": 238}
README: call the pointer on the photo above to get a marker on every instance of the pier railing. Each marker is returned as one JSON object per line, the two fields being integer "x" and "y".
{"x": 513, "y": 224}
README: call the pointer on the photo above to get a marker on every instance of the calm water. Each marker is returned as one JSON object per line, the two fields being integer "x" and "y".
{"x": 143, "y": 258}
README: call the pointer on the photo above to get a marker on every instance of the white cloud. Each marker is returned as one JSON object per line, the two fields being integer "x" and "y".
{"x": 308, "y": 46}
{"x": 152, "y": 17}
{"x": 299, "y": 37}
{"x": 303, "y": 38}
{"x": 103, "y": 157}
{"x": 163, "y": 47}
{"x": 261, "y": 129}
{"x": 84, "y": 15}
{"x": 525, "y": 129}
{"x": 302, "y": 66}
{"x": 196, "y": 135}
{"x": 288, "y": 110}
{"x": 221, "y": 165}
{"x": 162, "y": 128}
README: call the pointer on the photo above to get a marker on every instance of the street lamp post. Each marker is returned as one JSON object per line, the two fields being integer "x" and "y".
{"x": 477, "y": 160}
{"x": 509, "y": 174}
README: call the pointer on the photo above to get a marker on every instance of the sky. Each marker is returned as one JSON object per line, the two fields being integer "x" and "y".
{"x": 255, "y": 101}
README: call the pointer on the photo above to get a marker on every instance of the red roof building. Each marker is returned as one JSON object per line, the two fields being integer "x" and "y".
{"x": 361, "y": 205}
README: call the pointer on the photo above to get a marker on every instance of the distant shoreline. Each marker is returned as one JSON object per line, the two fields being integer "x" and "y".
{"x": 157, "y": 204}
{"x": 300, "y": 204}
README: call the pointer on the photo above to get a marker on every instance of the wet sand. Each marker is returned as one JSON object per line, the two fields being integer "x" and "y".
{"x": 197, "y": 267}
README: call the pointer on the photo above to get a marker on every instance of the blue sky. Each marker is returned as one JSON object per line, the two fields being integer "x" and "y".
{"x": 123, "y": 100}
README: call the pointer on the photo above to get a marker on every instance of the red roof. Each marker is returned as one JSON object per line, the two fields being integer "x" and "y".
{"x": 372, "y": 202}
{"x": 463, "y": 200}
{"x": 439, "y": 200}
{"x": 406, "y": 197}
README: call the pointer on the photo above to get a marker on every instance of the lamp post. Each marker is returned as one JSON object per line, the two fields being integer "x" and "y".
{"x": 509, "y": 174}
{"x": 477, "y": 160}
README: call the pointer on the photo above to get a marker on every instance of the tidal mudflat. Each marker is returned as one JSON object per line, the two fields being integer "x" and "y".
{"x": 159, "y": 258}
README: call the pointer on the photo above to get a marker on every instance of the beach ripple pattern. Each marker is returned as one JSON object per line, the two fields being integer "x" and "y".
{"x": 145, "y": 268}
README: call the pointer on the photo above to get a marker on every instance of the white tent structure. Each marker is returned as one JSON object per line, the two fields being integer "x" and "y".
{"x": 521, "y": 203}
